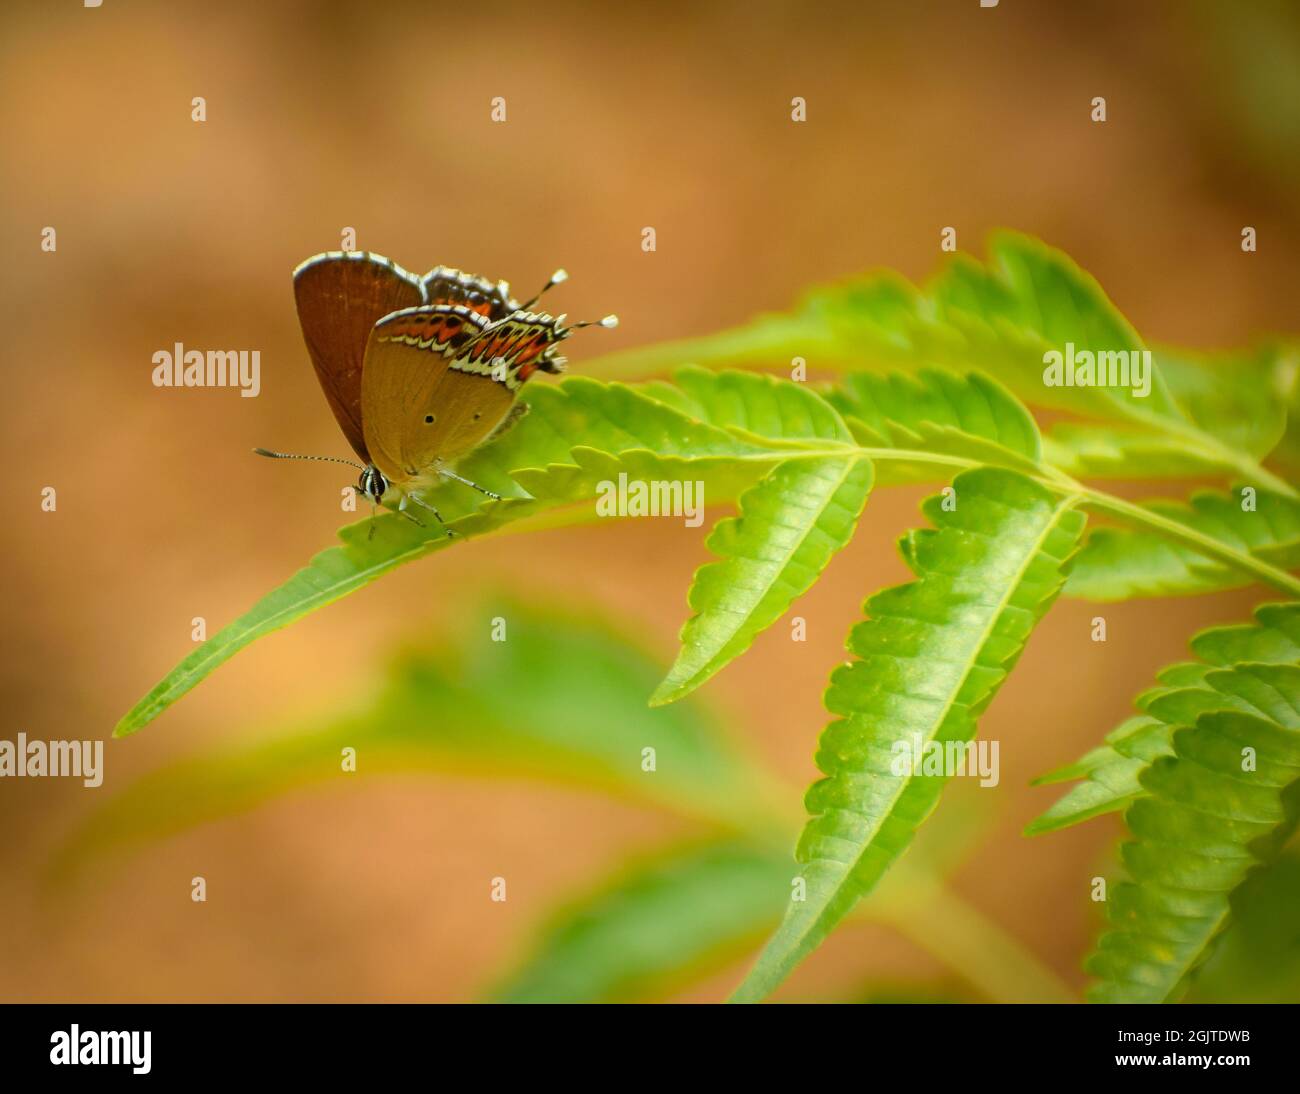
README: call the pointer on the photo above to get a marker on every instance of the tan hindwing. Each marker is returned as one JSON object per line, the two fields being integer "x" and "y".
{"x": 419, "y": 411}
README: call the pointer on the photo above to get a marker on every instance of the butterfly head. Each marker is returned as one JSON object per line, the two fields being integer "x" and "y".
{"x": 372, "y": 483}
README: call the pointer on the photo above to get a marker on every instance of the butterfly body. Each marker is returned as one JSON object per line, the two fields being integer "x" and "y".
{"x": 419, "y": 371}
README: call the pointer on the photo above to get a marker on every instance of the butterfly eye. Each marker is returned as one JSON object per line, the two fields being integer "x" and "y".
{"x": 477, "y": 415}
{"x": 428, "y": 419}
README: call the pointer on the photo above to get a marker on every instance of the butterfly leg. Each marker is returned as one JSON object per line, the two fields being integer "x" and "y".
{"x": 424, "y": 505}
{"x": 401, "y": 508}
{"x": 432, "y": 509}
{"x": 452, "y": 475}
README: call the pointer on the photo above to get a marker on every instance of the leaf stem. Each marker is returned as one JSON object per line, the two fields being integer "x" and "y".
{"x": 975, "y": 947}
{"x": 1124, "y": 511}
{"x": 1199, "y": 541}
{"x": 777, "y": 336}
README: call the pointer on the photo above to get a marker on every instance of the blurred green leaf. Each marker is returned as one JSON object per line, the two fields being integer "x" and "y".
{"x": 656, "y": 926}
{"x": 1095, "y": 451}
{"x": 561, "y": 699}
{"x": 1231, "y": 395}
{"x": 1258, "y": 958}
{"x": 1000, "y": 317}
{"x": 1252, "y": 74}
{"x": 903, "y": 994}
{"x": 665, "y": 921}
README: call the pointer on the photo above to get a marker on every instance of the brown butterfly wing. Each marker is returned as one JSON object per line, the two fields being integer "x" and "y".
{"x": 418, "y": 410}
{"x": 340, "y": 297}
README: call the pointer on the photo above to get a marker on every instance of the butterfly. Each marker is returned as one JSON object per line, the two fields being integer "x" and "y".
{"x": 419, "y": 371}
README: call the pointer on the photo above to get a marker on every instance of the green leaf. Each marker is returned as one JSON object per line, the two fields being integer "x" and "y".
{"x": 1122, "y": 563}
{"x": 1208, "y": 817}
{"x": 1109, "y": 774}
{"x": 965, "y": 415}
{"x": 1234, "y": 396}
{"x": 444, "y": 710}
{"x": 575, "y": 432}
{"x": 948, "y": 423}
{"x": 1120, "y": 452}
{"x": 931, "y": 656}
{"x": 1000, "y": 317}
{"x": 666, "y": 921}
{"x": 1112, "y": 773}
{"x": 791, "y": 524}
{"x": 1031, "y": 298}
{"x": 1237, "y": 397}
{"x": 659, "y": 924}
{"x": 1286, "y": 383}
{"x": 759, "y": 407}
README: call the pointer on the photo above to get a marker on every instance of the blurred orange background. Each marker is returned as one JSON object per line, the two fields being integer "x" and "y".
{"x": 323, "y": 116}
